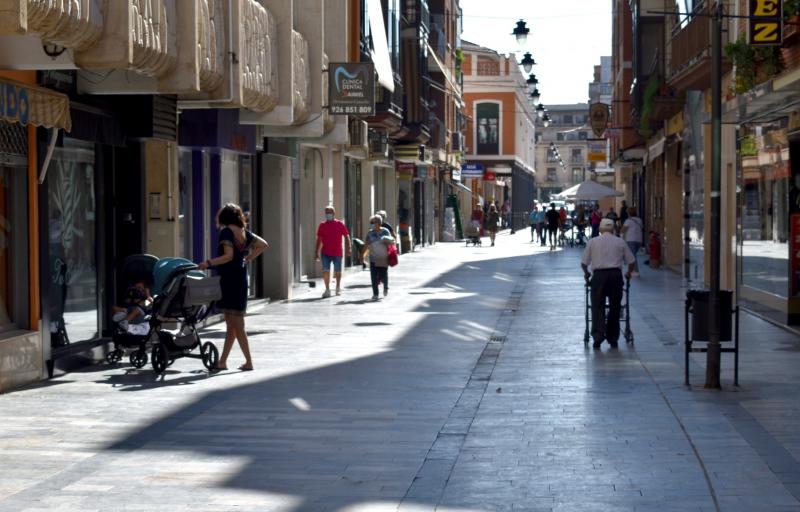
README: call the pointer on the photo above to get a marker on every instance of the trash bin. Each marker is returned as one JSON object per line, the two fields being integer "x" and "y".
{"x": 701, "y": 314}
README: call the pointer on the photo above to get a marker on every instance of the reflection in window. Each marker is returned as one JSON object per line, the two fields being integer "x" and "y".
{"x": 13, "y": 258}
{"x": 488, "y": 115}
{"x": 765, "y": 192}
{"x": 72, "y": 243}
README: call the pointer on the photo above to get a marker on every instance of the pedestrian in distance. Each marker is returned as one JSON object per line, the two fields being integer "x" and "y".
{"x": 594, "y": 220}
{"x": 633, "y": 234}
{"x": 623, "y": 213}
{"x": 532, "y": 217}
{"x": 492, "y": 218}
{"x": 237, "y": 247}
{"x": 553, "y": 223}
{"x": 613, "y": 216}
{"x": 377, "y": 243}
{"x": 606, "y": 256}
{"x": 541, "y": 219}
{"x": 385, "y": 223}
{"x": 330, "y": 235}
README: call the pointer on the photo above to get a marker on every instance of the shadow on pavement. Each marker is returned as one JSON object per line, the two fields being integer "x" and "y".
{"x": 366, "y": 424}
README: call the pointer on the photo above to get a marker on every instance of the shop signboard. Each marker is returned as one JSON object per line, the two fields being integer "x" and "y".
{"x": 472, "y": 171}
{"x": 405, "y": 170}
{"x": 598, "y": 116}
{"x": 765, "y": 23}
{"x": 489, "y": 176}
{"x": 597, "y": 150}
{"x": 351, "y": 88}
{"x": 455, "y": 175}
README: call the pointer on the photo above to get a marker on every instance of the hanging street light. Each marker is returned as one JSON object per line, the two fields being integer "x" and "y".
{"x": 532, "y": 82}
{"x": 540, "y": 111}
{"x": 521, "y": 32}
{"x": 535, "y": 97}
{"x": 527, "y": 62}
{"x": 546, "y": 120}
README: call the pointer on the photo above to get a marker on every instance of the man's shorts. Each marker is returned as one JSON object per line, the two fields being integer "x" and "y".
{"x": 335, "y": 260}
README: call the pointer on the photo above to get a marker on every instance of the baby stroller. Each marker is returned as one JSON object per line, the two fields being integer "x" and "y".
{"x": 183, "y": 298}
{"x": 132, "y": 339}
{"x": 473, "y": 233}
{"x": 625, "y": 312}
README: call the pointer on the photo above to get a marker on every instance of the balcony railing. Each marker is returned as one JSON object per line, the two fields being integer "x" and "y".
{"x": 488, "y": 68}
{"x": 690, "y": 51}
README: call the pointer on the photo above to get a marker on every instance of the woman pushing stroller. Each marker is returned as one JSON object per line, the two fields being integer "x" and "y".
{"x": 237, "y": 247}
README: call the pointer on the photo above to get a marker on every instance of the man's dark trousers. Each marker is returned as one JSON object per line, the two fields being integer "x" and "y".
{"x": 606, "y": 283}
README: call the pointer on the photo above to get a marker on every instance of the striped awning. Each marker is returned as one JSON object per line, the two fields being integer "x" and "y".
{"x": 29, "y": 104}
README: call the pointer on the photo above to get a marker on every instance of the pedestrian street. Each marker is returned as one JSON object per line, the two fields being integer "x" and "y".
{"x": 468, "y": 388}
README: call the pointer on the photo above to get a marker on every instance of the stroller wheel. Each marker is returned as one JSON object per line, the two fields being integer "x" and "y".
{"x": 159, "y": 358}
{"x": 114, "y": 356}
{"x": 138, "y": 358}
{"x": 210, "y": 355}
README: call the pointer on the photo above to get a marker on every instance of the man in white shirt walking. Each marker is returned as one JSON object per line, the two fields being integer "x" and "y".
{"x": 606, "y": 255}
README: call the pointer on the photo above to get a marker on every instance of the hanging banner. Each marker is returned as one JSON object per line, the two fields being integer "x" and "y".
{"x": 351, "y": 88}
{"x": 598, "y": 116}
{"x": 765, "y": 23}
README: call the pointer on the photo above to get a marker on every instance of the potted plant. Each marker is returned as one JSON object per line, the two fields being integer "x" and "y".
{"x": 754, "y": 65}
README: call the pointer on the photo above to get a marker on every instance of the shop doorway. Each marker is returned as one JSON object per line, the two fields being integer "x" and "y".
{"x": 352, "y": 203}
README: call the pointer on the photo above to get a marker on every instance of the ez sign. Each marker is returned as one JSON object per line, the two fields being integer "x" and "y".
{"x": 765, "y": 23}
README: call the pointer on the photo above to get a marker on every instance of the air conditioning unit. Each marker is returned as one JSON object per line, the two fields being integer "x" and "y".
{"x": 378, "y": 146}
{"x": 358, "y": 131}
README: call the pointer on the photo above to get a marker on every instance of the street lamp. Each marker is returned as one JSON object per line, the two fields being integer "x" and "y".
{"x": 527, "y": 62}
{"x": 532, "y": 82}
{"x": 540, "y": 111}
{"x": 546, "y": 120}
{"x": 535, "y": 97}
{"x": 521, "y": 32}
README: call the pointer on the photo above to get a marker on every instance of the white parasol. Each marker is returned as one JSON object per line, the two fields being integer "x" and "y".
{"x": 588, "y": 190}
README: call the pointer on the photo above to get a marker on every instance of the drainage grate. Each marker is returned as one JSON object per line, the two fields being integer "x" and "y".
{"x": 497, "y": 339}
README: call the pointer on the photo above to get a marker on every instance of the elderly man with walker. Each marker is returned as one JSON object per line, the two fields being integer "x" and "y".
{"x": 606, "y": 255}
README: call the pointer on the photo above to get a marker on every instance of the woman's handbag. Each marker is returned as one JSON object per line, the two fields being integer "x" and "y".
{"x": 391, "y": 255}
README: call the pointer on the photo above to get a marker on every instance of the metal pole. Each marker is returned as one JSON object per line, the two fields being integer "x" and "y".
{"x": 713, "y": 355}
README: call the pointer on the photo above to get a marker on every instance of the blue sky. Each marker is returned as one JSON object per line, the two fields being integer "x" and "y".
{"x": 567, "y": 39}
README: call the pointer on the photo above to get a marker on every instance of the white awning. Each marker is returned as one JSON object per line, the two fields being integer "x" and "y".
{"x": 456, "y": 184}
{"x": 380, "y": 51}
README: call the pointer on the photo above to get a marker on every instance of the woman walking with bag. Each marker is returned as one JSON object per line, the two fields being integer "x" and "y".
{"x": 237, "y": 247}
{"x": 377, "y": 242}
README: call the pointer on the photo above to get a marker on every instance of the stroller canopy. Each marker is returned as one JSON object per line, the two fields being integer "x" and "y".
{"x": 166, "y": 268}
{"x": 138, "y": 268}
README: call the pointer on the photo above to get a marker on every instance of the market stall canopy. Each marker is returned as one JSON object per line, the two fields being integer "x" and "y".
{"x": 29, "y": 104}
{"x": 588, "y": 190}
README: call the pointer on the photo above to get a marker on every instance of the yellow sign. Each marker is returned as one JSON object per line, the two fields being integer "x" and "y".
{"x": 765, "y": 23}
{"x": 597, "y": 150}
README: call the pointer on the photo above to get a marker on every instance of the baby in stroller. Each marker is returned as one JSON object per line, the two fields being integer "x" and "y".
{"x": 137, "y": 303}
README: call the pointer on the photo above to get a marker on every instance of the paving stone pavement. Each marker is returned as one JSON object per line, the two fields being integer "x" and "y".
{"x": 468, "y": 388}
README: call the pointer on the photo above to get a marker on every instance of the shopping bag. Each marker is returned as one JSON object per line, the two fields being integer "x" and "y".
{"x": 391, "y": 255}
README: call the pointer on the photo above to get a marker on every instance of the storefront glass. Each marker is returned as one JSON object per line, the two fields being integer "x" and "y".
{"x": 185, "y": 202}
{"x": 14, "y": 290}
{"x": 72, "y": 207}
{"x": 765, "y": 209}
{"x": 13, "y": 239}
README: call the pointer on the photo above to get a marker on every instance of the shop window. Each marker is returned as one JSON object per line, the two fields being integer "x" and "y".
{"x": 185, "y": 202}
{"x": 72, "y": 243}
{"x": 766, "y": 212}
{"x": 566, "y": 119}
{"x": 488, "y": 115}
{"x": 13, "y": 248}
{"x": 577, "y": 174}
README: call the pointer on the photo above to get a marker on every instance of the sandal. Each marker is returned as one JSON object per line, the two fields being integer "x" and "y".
{"x": 246, "y": 368}
{"x": 218, "y": 368}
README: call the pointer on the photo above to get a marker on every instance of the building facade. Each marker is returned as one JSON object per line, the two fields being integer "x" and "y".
{"x": 500, "y": 131}
{"x": 132, "y": 123}
{"x": 566, "y": 135}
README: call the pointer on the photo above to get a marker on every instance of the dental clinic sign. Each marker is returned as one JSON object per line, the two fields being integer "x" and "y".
{"x": 14, "y": 104}
{"x": 351, "y": 88}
